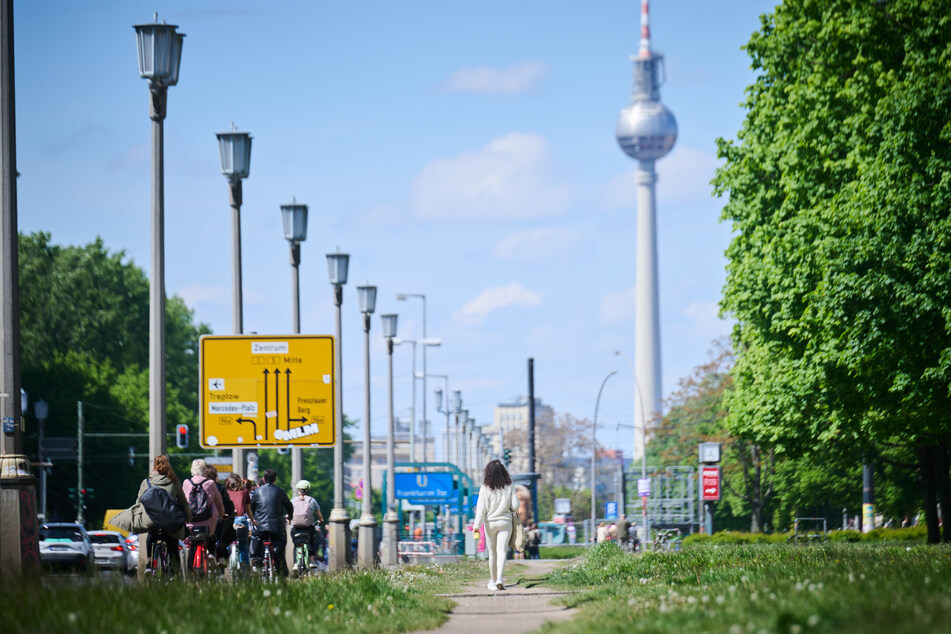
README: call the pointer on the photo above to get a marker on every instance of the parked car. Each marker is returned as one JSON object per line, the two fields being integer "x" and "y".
{"x": 66, "y": 545}
{"x": 132, "y": 541}
{"x": 111, "y": 551}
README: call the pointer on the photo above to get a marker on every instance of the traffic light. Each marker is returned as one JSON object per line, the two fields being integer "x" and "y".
{"x": 72, "y": 494}
{"x": 181, "y": 436}
{"x": 87, "y": 493}
{"x": 507, "y": 457}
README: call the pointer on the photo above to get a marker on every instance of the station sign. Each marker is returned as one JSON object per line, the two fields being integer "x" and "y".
{"x": 266, "y": 391}
{"x": 610, "y": 510}
{"x": 425, "y": 488}
{"x": 710, "y": 483}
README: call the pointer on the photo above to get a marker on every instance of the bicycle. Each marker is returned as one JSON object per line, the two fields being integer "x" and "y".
{"x": 197, "y": 540}
{"x": 301, "y": 538}
{"x": 236, "y": 566}
{"x": 159, "y": 566}
{"x": 269, "y": 558}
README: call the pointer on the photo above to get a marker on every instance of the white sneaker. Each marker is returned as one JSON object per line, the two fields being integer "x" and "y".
{"x": 499, "y": 585}
{"x": 492, "y": 585}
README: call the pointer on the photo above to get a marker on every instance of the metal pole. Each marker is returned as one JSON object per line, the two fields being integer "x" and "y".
{"x": 339, "y": 519}
{"x": 412, "y": 412}
{"x": 367, "y": 542}
{"x": 425, "y": 420}
{"x": 390, "y": 520}
{"x": 639, "y": 401}
{"x": 594, "y": 431}
{"x": 79, "y": 462}
{"x": 237, "y": 316}
{"x": 157, "y": 439}
{"x": 297, "y": 454}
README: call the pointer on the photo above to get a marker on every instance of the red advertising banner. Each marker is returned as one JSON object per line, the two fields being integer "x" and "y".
{"x": 710, "y": 483}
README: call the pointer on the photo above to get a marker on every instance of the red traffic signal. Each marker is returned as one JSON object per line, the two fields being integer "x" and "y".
{"x": 181, "y": 436}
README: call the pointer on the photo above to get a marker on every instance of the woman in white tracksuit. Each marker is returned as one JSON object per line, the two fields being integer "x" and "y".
{"x": 497, "y": 502}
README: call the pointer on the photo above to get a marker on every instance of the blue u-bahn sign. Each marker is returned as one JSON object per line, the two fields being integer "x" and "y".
{"x": 426, "y": 488}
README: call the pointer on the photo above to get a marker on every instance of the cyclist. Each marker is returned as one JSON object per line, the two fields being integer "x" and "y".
{"x": 270, "y": 506}
{"x": 241, "y": 498}
{"x": 214, "y": 502}
{"x": 306, "y": 513}
{"x": 163, "y": 476}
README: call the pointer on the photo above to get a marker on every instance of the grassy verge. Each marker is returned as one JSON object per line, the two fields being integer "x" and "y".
{"x": 560, "y": 552}
{"x": 761, "y": 588}
{"x": 378, "y": 601}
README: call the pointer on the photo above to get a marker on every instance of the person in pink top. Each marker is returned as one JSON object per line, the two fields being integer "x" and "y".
{"x": 215, "y": 504}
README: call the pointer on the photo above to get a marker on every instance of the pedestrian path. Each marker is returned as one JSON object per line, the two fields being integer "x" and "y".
{"x": 522, "y": 607}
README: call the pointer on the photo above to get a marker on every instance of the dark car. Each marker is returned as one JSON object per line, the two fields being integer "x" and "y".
{"x": 66, "y": 546}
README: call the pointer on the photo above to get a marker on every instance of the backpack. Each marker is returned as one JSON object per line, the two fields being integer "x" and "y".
{"x": 162, "y": 509}
{"x": 303, "y": 515}
{"x": 198, "y": 502}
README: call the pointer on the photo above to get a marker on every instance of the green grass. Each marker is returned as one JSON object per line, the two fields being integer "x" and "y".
{"x": 560, "y": 552}
{"x": 378, "y": 601}
{"x": 761, "y": 588}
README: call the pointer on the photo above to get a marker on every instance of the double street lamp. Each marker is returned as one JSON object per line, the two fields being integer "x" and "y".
{"x": 390, "y": 520}
{"x": 412, "y": 431}
{"x": 160, "y": 54}
{"x": 366, "y": 555}
{"x": 594, "y": 449}
{"x": 234, "y": 153}
{"x": 639, "y": 401}
{"x": 340, "y": 556}
{"x": 294, "y": 222}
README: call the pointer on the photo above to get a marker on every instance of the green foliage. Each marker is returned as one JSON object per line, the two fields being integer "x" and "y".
{"x": 560, "y": 552}
{"x": 84, "y": 336}
{"x": 751, "y": 588}
{"x": 839, "y": 273}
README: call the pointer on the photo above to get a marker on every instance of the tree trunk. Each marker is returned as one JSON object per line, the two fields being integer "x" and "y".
{"x": 757, "y": 516}
{"x": 927, "y": 472}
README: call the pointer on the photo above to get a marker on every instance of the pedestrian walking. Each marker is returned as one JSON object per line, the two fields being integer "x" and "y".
{"x": 497, "y": 509}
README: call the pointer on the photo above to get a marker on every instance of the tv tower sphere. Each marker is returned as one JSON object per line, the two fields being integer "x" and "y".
{"x": 646, "y": 130}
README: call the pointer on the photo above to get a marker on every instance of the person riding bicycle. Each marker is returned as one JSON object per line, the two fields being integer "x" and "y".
{"x": 306, "y": 514}
{"x": 212, "y": 500}
{"x": 162, "y": 476}
{"x": 270, "y": 506}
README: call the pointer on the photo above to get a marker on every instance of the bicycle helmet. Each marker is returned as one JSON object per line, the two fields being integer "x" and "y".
{"x": 303, "y": 485}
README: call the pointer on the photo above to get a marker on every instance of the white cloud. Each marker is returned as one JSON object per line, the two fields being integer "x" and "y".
{"x": 487, "y": 80}
{"x": 546, "y": 243}
{"x": 617, "y": 306}
{"x": 682, "y": 176}
{"x": 195, "y": 294}
{"x": 510, "y": 177}
{"x": 496, "y": 298}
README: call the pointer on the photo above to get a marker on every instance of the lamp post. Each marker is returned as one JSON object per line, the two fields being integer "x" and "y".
{"x": 340, "y": 556}
{"x": 160, "y": 53}
{"x": 366, "y": 555}
{"x": 457, "y": 410}
{"x": 390, "y": 520}
{"x": 594, "y": 446}
{"x": 640, "y": 401}
{"x": 403, "y": 297}
{"x": 439, "y": 408}
{"x": 234, "y": 153}
{"x": 464, "y": 444}
{"x": 412, "y": 425}
{"x": 42, "y": 411}
{"x": 294, "y": 222}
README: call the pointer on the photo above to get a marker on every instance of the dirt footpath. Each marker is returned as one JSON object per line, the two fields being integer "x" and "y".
{"x": 522, "y": 607}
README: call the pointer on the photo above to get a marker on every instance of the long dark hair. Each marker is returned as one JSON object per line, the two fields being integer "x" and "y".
{"x": 162, "y": 465}
{"x": 496, "y": 475}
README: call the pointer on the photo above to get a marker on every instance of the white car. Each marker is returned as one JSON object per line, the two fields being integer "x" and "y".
{"x": 66, "y": 545}
{"x": 111, "y": 551}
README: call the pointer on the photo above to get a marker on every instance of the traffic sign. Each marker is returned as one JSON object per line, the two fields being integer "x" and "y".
{"x": 610, "y": 510}
{"x": 644, "y": 487}
{"x": 710, "y": 483}
{"x": 266, "y": 391}
{"x": 434, "y": 488}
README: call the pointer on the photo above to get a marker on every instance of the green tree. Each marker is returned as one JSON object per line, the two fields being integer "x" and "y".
{"x": 84, "y": 338}
{"x": 839, "y": 275}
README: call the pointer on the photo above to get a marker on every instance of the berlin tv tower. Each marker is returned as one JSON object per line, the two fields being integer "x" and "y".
{"x": 646, "y": 131}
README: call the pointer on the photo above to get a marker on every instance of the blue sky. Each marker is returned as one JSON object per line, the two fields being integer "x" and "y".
{"x": 462, "y": 151}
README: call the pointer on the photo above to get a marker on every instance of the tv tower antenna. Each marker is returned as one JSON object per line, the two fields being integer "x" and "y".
{"x": 646, "y": 131}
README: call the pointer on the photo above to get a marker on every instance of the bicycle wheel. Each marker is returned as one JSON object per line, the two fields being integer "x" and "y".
{"x": 268, "y": 566}
{"x": 158, "y": 566}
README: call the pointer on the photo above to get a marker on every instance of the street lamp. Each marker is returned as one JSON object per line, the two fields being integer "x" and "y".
{"x": 457, "y": 409}
{"x": 366, "y": 556}
{"x": 403, "y": 297}
{"x": 390, "y": 520}
{"x": 234, "y": 153}
{"x": 412, "y": 431}
{"x": 594, "y": 446}
{"x": 639, "y": 401}
{"x": 160, "y": 54}
{"x": 439, "y": 408}
{"x": 340, "y": 557}
{"x": 294, "y": 222}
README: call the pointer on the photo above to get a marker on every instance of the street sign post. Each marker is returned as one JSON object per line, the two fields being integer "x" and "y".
{"x": 266, "y": 391}
{"x": 610, "y": 510}
{"x": 710, "y": 483}
{"x": 644, "y": 487}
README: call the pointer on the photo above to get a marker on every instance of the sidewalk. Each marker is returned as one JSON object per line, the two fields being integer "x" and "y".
{"x": 521, "y": 607}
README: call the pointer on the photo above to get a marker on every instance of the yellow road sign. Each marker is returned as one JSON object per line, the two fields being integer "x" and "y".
{"x": 266, "y": 391}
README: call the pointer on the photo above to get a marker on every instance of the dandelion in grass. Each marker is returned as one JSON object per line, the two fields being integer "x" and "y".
{"x": 267, "y": 593}
{"x": 795, "y": 628}
{"x": 691, "y": 600}
{"x": 330, "y": 606}
{"x": 736, "y": 629}
{"x": 277, "y": 611}
{"x": 813, "y": 620}
{"x": 72, "y": 617}
{"x": 753, "y": 596}
{"x": 772, "y": 596}
{"x": 720, "y": 599}
{"x": 732, "y": 589}
{"x": 287, "y": 613}
{"x": 279, "y": 592}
